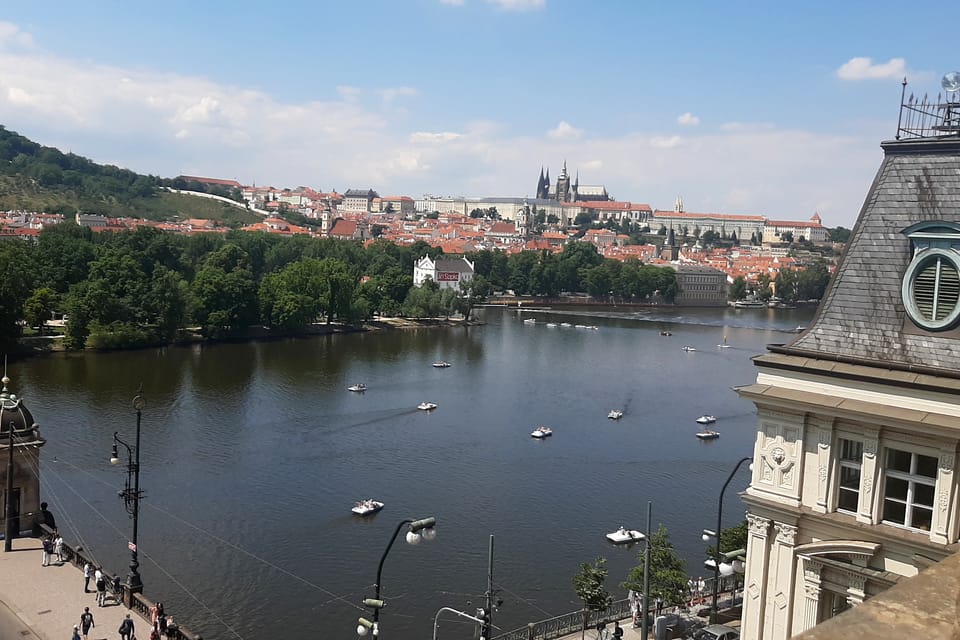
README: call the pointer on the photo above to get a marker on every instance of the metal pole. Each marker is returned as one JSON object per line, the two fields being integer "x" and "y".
{"x": 376, "y": 586}
{"x": 134, "y": 583}
{"x": 487, "y": 625}
{"x": 8, "y": 511}
{"x": 644, "y": 625}
{"x": 717, "y": 552}
{"x": 436, "y": 618}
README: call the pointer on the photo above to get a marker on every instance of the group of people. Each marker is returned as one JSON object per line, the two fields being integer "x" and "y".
{"x": 100, "y": 583}
{"x": 52, "y": 546}
{"x": 161, "y": 625}
{"x": 697, "y": 590}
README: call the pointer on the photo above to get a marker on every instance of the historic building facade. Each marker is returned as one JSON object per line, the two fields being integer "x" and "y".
{"x": 449, "y": 273}
{"x": 21, "y": 490}
{"x": 854, "y": 484}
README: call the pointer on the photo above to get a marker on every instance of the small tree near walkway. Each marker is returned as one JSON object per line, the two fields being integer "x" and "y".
{"x": 589, "y": 585}
{"x": 668, "y": 573}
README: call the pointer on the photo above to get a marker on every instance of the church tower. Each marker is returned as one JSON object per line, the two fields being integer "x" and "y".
{"x": 523, "y": 219}
{"x": 543, "y": 185}
{"x": 563, "y": 185}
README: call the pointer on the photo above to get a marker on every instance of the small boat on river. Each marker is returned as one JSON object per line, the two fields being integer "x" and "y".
{"x": 366, "y": 507}
{"x": 615, "y": 414}
{"x": 427, "y": 406}
{"x": 705, "y": 419}
{"x": 708, "y": 434}
{"x": 441, "y": 364}
{"x": 542, "y": 432}
{"x": 624, "y": 535}
{"x": 358, "y": 388}
{"x": 688, "y": 348}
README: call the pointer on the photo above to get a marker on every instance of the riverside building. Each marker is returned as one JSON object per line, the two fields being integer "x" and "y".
{"x": 854, "y": 486}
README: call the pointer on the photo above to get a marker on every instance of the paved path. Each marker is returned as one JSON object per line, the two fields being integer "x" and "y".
{"x": 43, "y": 603}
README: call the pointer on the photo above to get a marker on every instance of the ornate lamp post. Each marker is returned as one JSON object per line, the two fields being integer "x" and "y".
{"x": 131, "y": 498}
{"x": 419, "y": 529}
{"x": 718, "y": 554}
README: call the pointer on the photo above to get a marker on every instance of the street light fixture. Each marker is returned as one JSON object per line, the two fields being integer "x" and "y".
{"x": 423, "y": 529}
{"x": 131, "y": 498}
{"x": 718, "y": 556}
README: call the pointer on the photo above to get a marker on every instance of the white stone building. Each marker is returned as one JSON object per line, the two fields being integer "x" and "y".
{"x": 449, "y": 273}
{"x": 854, "y": 484}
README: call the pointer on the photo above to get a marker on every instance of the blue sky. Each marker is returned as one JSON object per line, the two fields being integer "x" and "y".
{"x": 773, "y": 109}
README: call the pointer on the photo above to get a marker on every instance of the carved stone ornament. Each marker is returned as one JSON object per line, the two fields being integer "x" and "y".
{"x": 758, "y": 526}
{"x": 946, "y": 462}
{"x": 944, "y": 500}
{"x": 822, "y": 472}
{"x": 786, "y": 533}
{"x": 823, "y": 438}
{"x": 811, "y": 590}
{"x": 867, "y": 486}
{"x": 778, "y": 455}
{"x": 870, "y": 447}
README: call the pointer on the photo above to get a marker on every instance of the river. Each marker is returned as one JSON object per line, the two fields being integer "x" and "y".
{"x": 252, "y": 455}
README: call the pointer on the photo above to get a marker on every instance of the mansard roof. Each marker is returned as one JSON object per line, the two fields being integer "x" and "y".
{"x": 862, "y": 318}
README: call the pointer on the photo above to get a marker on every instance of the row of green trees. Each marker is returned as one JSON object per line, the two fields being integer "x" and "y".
{"x": 792, "y": 285}
{"x": 142, "y": 287}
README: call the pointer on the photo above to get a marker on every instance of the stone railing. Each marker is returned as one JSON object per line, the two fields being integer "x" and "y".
{"x": 77, "y": 557}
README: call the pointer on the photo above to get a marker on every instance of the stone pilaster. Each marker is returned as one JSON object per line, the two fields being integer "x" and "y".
{"x": 809, "y": 616}
{"x": 943, "y": 530}
{"x": 758, "y": 551}
{"x": 777, "y": 623}
{"x": 824, "y": 437}
{"x": 869, "y": 477}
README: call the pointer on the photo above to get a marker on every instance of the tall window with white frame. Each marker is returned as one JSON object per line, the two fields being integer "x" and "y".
{"x": 851, "y": 456}
{"x": 911, "y": 480}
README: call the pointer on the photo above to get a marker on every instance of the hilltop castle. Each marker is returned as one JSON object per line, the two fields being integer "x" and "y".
{"x": 564, "y": 191}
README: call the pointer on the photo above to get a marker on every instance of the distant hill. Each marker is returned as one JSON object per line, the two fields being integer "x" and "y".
{"x": 38, "y": 178}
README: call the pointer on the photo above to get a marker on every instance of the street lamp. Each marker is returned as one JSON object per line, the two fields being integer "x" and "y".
{"x": 131, "y": 498}
{"x": 424, "y": 529}
{"x": 718, "y": 566}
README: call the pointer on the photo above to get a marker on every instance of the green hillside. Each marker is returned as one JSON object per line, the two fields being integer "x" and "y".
{"x": 38, "y": 178}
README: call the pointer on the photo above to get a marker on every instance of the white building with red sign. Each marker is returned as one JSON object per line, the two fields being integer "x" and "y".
{"x": 446, "y": 272}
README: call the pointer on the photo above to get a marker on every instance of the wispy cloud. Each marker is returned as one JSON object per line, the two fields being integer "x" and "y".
{"x": 865, "y": 69}
{"x": 564, "y": 131}
{"x": 664, "y": 142}
{"x": 519, "y": 5}
{"x": 456, "y": 3}
{"x": 688, "y": 120}
{"x": 427, "y": 137}
{"x": 12, "y": 36}
{"x": 390, "y": 94}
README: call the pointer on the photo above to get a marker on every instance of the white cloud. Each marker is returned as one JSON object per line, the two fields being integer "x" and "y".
{"x": 12, "y": 36}
{"x": 519, "y": 5}
{"x": 456, "y": 3}
{"x": 864, "y": 69}
{"x": 664, "y": 142}
{"x": 349, "y": 93}
{"x": 427, "y": 137}
{"x": 688, "y": 120}
{"x": 564, "y": 131}
{"x": 392, "y": 93}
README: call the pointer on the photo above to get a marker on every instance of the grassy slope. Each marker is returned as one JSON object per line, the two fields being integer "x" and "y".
{"x": 22, "y": 194}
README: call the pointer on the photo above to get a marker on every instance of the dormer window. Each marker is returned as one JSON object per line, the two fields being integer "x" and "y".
{"x": 931, "y": 284}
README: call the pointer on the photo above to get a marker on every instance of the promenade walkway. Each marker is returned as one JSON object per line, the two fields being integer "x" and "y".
{"x": 45, "y": 602}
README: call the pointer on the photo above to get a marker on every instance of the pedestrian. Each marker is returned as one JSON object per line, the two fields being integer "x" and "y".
{"x": 76, "y": 633}
{"x": 155, "y": 612}
{"x": 86, "y": 621}
{"x": 47, "y": 550}
{"x": 87, "y": 574}
{"x": 701, "y": 587}
{"x": 617, "y": 631}
{"x": 126, "y": 628}
{"x": 154, "y": 633}
{"x": 101, "y": 589}
{"x": 659, "y": 605}
{"x": 58, "y": 547}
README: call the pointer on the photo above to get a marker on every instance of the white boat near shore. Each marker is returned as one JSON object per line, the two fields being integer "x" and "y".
{"x": 624, "y": 535}
{"x": 366, "y": 507}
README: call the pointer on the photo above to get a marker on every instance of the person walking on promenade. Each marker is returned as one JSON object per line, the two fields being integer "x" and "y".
{"x": 155, "y": 612}
{"x": 87, "y": 574}
{"x": 58, "y": 547}
{"x": 47, "y": 550}
{"x": 126, "y": 628}
{"x": 101, "y": 589}
{"x": 76, "y": 632}
{"x": 86, "y": 621}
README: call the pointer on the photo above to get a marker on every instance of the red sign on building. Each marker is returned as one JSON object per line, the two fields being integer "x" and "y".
{"x": 448, "y": 276}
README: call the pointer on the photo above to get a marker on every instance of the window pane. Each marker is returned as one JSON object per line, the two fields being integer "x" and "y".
{"x": 896, "y": 488}
{"x": 847, "y": 500}
{"x": 898, "y": 460}
{"x": 894, "y": 511}
{"x": 923, "y": 494}
{"x": 926, "y": 466}
{"x": 849, "y": 478}
{"x": 921, "y": 518}
{"x": 851, "y": 450}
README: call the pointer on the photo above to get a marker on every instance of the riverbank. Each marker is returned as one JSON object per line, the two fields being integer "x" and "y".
{"x": 32, "y": 346}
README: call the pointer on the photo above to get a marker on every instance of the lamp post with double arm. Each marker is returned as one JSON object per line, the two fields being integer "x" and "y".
{"x": 131, "y": 498}
{"x": 423, "y": 529}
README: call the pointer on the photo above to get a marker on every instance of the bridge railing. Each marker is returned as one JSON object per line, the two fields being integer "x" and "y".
{"x": 568, "y": 623}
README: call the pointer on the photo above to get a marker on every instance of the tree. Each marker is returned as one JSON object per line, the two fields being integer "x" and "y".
{"x": 39, "y": 307}
{"x": 668, "y": 573}
{"x": 225, "y": 292}
{"x": 731, "y": 539}
{"x": 738, "y": 289}
{"x": 787, "y": 236}
{"x": 838, "y": 235}
{"x": 472, "y": 293}
{"x": 590, "y": 588}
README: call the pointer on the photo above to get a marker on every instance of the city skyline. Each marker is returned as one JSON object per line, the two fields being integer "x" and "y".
{"x": 777, "y": 113}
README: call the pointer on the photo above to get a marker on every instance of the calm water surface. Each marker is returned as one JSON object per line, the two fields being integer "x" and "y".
{"x": 253, "y": 454}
